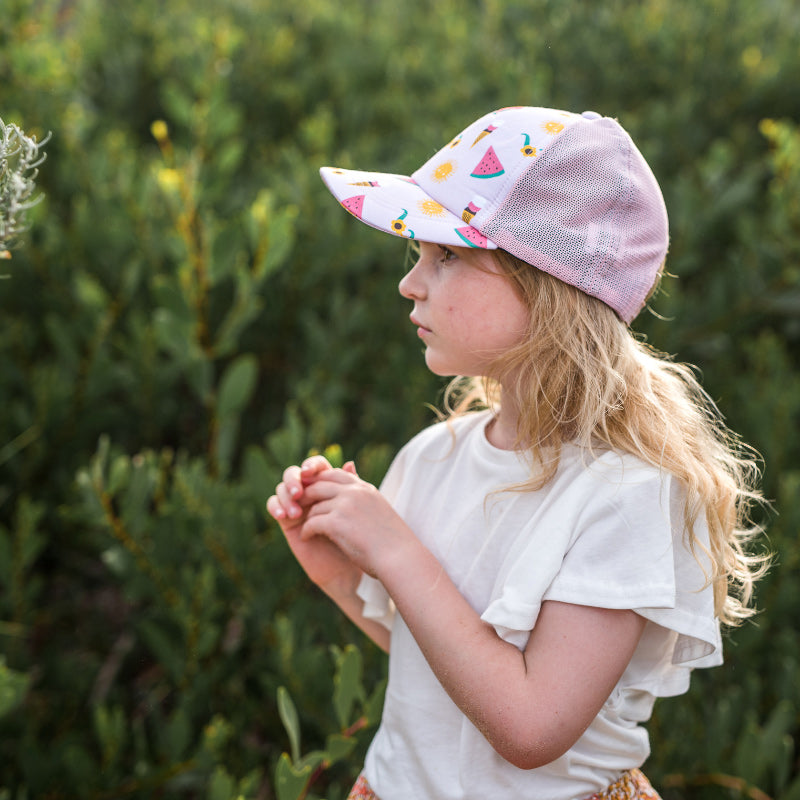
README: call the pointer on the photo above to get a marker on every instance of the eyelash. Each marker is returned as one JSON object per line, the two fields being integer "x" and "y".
{"x": 447, "y": 254}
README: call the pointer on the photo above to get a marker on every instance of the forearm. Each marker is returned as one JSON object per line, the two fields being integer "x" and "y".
{"x": 483, "y": 675}
{"x": 531, "y": 706}
{"x": 343, "y": 592}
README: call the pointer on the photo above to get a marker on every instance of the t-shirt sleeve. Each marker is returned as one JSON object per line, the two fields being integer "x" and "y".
{"x": 623, "y": 546}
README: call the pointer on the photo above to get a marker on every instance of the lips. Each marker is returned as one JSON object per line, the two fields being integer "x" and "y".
{"x": 421, "y": 329}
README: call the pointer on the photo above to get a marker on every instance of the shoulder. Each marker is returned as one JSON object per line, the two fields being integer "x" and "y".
{"x": 443, "y": 436}
{"x": 434, "y": 448}
{"x": 609, "y": 475}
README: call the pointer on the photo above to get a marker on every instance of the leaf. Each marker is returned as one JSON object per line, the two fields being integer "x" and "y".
{"x": 226, "y": 438}
{"x": 257, "y": 474}
{"x": 118, "y": 474}
{"x": 13, "y": 686}
{"x": 290, "y": 720}
{"x": 222, "y": 786}
{"x": 373, "y": 708}
{"x": 237, "y": 385}
{"x": 338, "y": 747}
{"x": 177, "y": 735}
{"x": 286, "y": 444}
{"x": 290, "y": 783}
{"x": 110, "y": 729}
{"x": 312, "y": 759}
{"x": 163, "y": 647}
{"x": 347, "y": 685}
{"x": 216, "y": 735}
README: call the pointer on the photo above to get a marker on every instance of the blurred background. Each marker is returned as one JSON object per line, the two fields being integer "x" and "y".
{"x": 190, "y": 311}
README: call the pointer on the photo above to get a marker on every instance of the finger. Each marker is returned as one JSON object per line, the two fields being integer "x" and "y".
{"x": 292, "y": 477}
{"x": 275, "y": 509}
{"x": 317, "y": 522}
{"x": 350, "y": 467}
{"x": 287, "y": 500}
{"x": 314, "y": 465}
{"x": 327, "y": 485}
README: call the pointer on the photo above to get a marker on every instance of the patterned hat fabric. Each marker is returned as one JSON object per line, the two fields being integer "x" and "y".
{"x": 568, "y": 193}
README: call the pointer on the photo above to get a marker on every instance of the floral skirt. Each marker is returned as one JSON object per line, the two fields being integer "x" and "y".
{"x": 631, "y": 785}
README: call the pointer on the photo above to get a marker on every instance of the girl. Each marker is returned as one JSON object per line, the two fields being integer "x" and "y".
{"x": 542, "y": 569}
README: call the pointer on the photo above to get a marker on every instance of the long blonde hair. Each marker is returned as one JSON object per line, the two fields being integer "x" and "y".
{"x": 580, "y": 376}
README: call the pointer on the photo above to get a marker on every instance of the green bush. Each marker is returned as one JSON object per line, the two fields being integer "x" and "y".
{"x": 190, "y": 312}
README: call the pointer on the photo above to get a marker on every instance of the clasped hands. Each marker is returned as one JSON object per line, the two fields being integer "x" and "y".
{"x": 334, "y": 521}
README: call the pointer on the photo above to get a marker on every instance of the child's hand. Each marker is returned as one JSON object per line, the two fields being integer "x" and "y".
{"x": 285, "y": 505}
{"x": 324, "y": 563}
{"x": 354, "y": 516}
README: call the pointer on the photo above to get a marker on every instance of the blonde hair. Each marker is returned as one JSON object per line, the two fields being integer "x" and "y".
{"x": 580, "y": 376}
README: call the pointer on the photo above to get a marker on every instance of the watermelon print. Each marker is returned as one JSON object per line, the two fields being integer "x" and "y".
{"x": 472, "y": 237}
{"x": 489, "y": 166}
{"x": 355, "y": 205}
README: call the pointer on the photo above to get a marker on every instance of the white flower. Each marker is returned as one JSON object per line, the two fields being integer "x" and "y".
{"x": 20, "y": 157}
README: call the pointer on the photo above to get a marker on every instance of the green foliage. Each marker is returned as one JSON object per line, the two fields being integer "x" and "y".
{"x": 294, "y": 775}
{"x": 191, "y": 313}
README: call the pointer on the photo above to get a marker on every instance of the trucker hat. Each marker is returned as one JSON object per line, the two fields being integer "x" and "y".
{"x": 567, "y": 193}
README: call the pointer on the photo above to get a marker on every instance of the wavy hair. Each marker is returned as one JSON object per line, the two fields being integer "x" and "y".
{"x": 580, "y": 376}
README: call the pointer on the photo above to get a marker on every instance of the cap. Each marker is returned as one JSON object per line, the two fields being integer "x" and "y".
{"x": 568, "y": 193}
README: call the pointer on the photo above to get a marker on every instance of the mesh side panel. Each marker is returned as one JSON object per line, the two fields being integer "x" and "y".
{"x": 589, "y": 212}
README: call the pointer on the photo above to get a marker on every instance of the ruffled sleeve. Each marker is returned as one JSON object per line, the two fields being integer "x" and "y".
{"x": 616, "y": 539}
{"x": 378, "y": 605}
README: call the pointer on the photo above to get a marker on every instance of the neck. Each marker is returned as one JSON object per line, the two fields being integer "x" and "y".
{"x": 502, "y": 432}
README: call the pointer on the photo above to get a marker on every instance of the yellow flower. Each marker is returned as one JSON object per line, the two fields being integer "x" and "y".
{"x": 159, "y": 130}
{"x": 169, "y": 179}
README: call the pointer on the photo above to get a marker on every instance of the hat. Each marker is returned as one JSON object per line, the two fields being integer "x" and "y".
{"x": 568, "y": 193}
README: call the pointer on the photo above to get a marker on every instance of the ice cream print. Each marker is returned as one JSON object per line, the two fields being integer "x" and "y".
{"x": 470, "y": 211}
{"x": 485, "y": 132}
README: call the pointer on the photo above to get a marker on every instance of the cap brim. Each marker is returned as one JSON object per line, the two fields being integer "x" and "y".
{"x": 397, "y": 205}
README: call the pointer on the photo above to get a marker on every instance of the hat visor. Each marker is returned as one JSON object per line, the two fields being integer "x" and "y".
{"x": 397, "y": 205}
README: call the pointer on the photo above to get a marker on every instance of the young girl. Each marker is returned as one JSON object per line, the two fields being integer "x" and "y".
{"x": 542, "y": 569}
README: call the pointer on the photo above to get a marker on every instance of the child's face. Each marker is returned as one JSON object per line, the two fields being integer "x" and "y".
{"x": 466, "y": 311}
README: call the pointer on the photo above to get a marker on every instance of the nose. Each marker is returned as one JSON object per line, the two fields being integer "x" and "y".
{"x": 411, "y": 286}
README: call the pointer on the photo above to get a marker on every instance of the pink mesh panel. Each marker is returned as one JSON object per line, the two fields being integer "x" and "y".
{"x": 588, "y": 211}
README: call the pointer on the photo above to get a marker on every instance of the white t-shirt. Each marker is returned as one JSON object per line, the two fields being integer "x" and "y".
{"x": 607, "y": 531}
